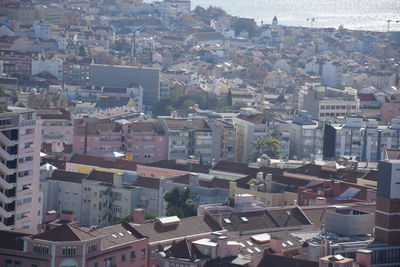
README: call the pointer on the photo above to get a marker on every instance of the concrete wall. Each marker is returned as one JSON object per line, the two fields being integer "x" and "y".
{"x": 349, "y": 224}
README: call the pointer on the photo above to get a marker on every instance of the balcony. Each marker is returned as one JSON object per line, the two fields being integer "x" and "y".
{"x": 4, "y": 184}
{"x": 5, "y": 213}
{"x": 5, "y": 156}
{"x": 5, "y": 199}
{"x": 6, "y": 141}
{"x": 4, "y": 227}
{"x": 5, "y": 170}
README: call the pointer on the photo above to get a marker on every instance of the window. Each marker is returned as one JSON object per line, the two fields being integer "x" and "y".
{"x": 92, "y": 248}
{"x": 123, "y": 258}
{"x": 40, "y": 249}
{"x": 13, "y": 263}
{"x": 133, "y": 255}
{"x": 143, "y": 252}
{"x": 68, "y": 251}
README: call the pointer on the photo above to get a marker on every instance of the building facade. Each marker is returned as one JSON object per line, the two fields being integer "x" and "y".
{"x": 20, "y": 199}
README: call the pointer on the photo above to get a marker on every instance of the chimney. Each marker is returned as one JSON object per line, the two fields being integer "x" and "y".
{"x": 67, "y": 216}
{"x": 364, "y": 257}
{"x": 138, "y": 216}
{"x": 50, "y": 216}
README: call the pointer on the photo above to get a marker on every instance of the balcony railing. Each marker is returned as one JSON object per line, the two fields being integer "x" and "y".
{"x": 5, "y": 213}
{"x": 5, "y": 155}
{"x": 4, "y": 227}
{"x": 5, "y": 170}
{"x": 6, "y": 141}
{"x": 6, "y": 199}
{"x": 6, "y": 185}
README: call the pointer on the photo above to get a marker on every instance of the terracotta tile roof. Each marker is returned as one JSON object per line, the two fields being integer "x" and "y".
{"x": 270, "y": 260}
{"x": 65, "y": 232}
{"x": 187, "y": 227}
{"x": 198, "y": 124}
{"x": 147, "y": 182}
{"x": 119, "y": 164}
{"x": 12, "y": 240}
{"x": 147, "y": 127}
{"x": 366, "y": 97}
{"x": 100, "y": 176}
{"x": 215, "y": 183}
{"x": 237, "y": 167}
{"x": 112, "y": 235}
{"x": 184, "y": 249}
{"x": 172, "y": 164}
{"x": 264, "y": 219}
{"x": 106, "y": 102}
{"x": 65, "y": 176}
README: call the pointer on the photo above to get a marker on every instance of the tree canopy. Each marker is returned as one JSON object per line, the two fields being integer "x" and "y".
{"x": 180, "y": 203}
{"x": 266, "y": 145}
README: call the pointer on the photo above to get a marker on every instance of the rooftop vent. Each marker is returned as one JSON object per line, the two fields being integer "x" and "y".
{"x": 166, "y": 221}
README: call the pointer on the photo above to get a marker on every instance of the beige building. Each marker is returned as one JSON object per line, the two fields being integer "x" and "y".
{"x": 271, "y": 193}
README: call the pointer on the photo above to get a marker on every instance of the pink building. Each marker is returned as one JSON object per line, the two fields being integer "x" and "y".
{"x": 57, "y": 129}
{"x": 141, "y": 141}
{"x": 118, "y": 245}
{"x": 390, "y": 108}
{"x": 20, "y": 198}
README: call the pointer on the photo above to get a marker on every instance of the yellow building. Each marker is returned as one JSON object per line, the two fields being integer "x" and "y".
{"x": 86, "y": 163}
{"x": 273, "y": 194}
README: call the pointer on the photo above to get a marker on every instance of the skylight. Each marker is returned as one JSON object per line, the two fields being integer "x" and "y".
{"x": 244, "y": 219}
{"x": 121, "y": 234}
{"x": 129, "y": 232}
{"x": 114, "y": 236}
{"x": 226, "y": 220}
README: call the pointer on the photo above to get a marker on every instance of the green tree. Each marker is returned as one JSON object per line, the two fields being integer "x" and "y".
{"x": 180, "y": 203}
{"x": 229, "y": 100}
{"x": 188, "y": 104}
{"x": 266, "y": 145}
{"x": 162, "y": 107}
{"x": 147, "y": 216}
{"x": 14, "y": 96}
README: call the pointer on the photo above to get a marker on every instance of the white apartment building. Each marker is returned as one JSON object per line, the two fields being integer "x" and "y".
{"x": 306, "y": 137}
{"x": 250, "y": 125}
{"x": 98, "y": 198}
{"x": 365, "y": 140}
{"x": 326, "y": 103}
{"x": 50, "y": 64}
{"x": 20, "y": 198}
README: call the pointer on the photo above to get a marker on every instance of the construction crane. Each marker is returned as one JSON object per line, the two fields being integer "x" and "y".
{"x": 133, "y": 44}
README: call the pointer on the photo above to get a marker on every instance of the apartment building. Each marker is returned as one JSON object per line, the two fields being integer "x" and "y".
{"x": 250, "y": 125}
{"x": 20, "y": 199}
{"x": 365, "y": 140}
{"x": 326, "y": 103}
{"x": 76, "y": 71}
{"x": 57, "y": 129}
{"x": 67, "y": 245}
{"x": 207, "y": 140}
{"x": 306, "y": 137}
{"x": 142, "y": 141}
{"x": 97, "y": 198}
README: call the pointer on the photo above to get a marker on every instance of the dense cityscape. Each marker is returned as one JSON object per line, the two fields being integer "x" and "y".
{"x": 164, "y": 134}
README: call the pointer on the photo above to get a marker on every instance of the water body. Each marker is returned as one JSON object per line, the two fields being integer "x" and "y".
{"x": 352, "y": 14}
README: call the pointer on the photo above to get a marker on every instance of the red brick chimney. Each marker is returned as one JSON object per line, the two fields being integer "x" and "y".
{"x": 138, "y": 216}
{"x": 364, "y": 257}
